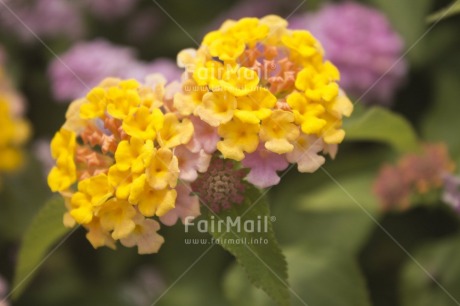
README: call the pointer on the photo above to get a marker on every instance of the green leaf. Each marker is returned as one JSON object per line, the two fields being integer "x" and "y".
{"x": 263, "y": 262}
{"x": 343, "y": 210}
{"x": 433, "y": 277}
{"x": 381, "y": 125}
{"x": 451, "y": 10}
{"x": 353, "y": 192}
{"x": 17, "y": 207}
{"x": 325, "y": 205}
{"x": 45, "y": 230}
{"x": 318, "y": 278}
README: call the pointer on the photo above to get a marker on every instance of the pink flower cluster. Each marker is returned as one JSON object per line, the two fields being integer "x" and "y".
{"x": 43, "y": 18}
{"x": 414, "y": 174}
{"x": 86, "y": 64}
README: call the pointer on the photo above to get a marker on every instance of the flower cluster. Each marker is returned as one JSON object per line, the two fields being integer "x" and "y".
{"x": 58, "y": 18}
{"x": 367, "y": 50}
{"x": 268, "y": 92}
{"x": 42, "y": 18}
{"x": 125, "y": 153}
{"x": 255, "y": 95}
{"x": 14, "y": 129}
{"x": 414, "y": 174}
{"x": 88, "y": 63}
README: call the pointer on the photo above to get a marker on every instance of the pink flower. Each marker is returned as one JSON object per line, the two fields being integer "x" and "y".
{"x": 44, "y": 18}
{"x": 187, "y": 205}
{"x": 331, "y": 149}
{"x": 392, "y": 188}
{"x": 306, "y": 154}
{"x": 190, "y": 163}
{"x": 145, "y": 236}
{"x": 86, "y": 64}
{"x": 205, "y": 137}
{"x": 264, "y": 166}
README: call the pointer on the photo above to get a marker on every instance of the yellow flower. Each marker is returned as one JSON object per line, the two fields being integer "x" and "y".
{"x": 10, "y": 158}
{"x": 156, "y": 202}
{"x": 163, "y": 170}
{"x": 319, "y": 83}
{"x": 117, "y": 215}
{"x": 133, "y": 155}
{"x": 249, "y": 30}
{"x": 82, "y": 209}
{"x": 238, "y": 137}
{"x": 6, "y": 124}
{"x": 14, "y": 131}
{"x": 95, "y": 104}
{"x": 332, "y": 132}
{"x": 186, "y": 57}
{"x": 64, "y": 174}
{"x": 92, "y": 193}
{"x": 205, "y": 73}
{"x": 211, "y": 36}
{"x": 277, "y": 28}
{"x": 226, "y": 47}
{"x": 98, "y": 188}
{"x": 341, "y": 105}
{"x": 306, "y": 114}
{"x": 186, "y": 102}
{"x": 217, "y": 108}
{"x": 63, "y": 142}
{"x": 302, "y": 42}
{"x": 123, "y": 98}
{"x": 174, "y": 133}
{"x": 153, "y": 94}
{"x": 238, "y": 81}
{"x": 256, "y": 106}
{"x": 124, "y": 182}
{"x": 143, "y": 123}
{"x": 74, "y": 122}
{"x": 279, "y": 131}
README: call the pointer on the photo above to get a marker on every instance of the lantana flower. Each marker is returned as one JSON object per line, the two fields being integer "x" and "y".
{"x": 370, "y": 59}
{"x": 414, "y": 175}
{"x": 117, "y": 164}
{"x": 255, "y": 98}
{"x": 14, "y": 128}
{"x": 262, "y": 85}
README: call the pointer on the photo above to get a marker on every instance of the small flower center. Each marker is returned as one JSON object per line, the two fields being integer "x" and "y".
{"x": 221, "y": 186}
